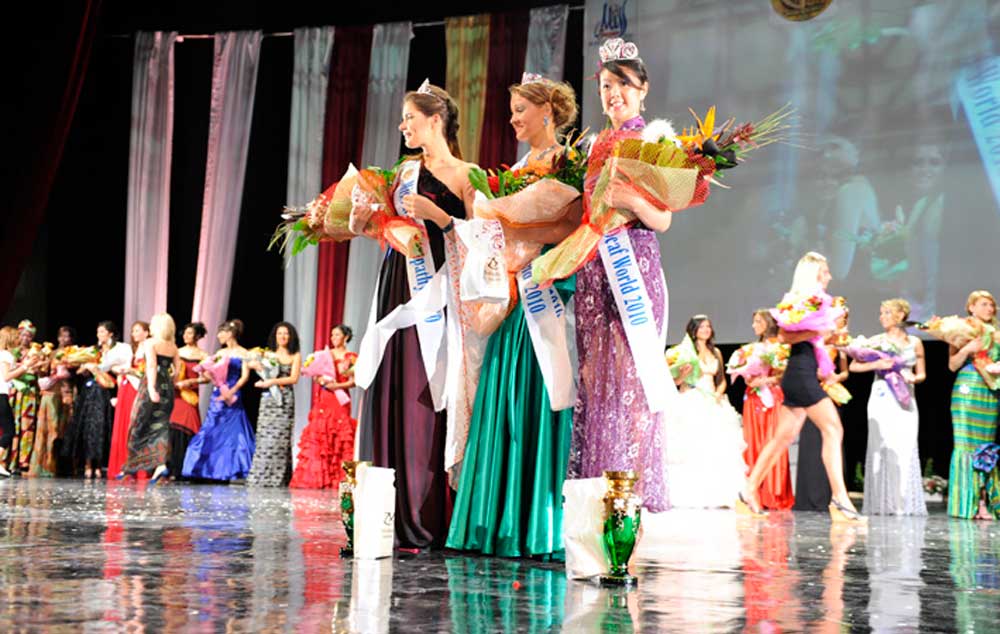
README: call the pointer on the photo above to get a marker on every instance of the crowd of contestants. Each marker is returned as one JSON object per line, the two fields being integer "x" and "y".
{"x": 134, "y": 412}
{"x": 504, "y": 496}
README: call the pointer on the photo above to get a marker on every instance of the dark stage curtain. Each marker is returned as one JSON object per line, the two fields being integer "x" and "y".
{"x": 508, "y": 43}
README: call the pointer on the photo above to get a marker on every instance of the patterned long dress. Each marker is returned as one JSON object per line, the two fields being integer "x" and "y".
{"x": 149, "y": 429}
{"x": 613, "y": 428}
{"x": 272, "y": 461}
{"x": 54, "y": 410}
{"x": 974, "y": 408}
{"x": 24, "y": 404}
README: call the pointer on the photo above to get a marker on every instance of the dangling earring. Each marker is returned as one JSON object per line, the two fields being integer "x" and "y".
{"x": 642, "y": 106}
{"x": 545, "y": 120}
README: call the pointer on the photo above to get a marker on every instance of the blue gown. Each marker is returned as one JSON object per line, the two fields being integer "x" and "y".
{"x": 223, "y": 448}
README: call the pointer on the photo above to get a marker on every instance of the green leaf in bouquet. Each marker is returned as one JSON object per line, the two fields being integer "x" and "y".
{"x": 479, "y": 179}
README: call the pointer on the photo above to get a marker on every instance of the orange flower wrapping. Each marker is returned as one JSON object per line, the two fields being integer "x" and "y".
{"x": 669, "y": 178}
{"x": 402, "y": 233}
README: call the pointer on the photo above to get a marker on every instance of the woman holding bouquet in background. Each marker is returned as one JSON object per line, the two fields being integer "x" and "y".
{"x": 55, "y": 407}
{"x": 400, "y": 427}
{"x": 130, "y": 376}
{"x": 328, "y": 439}
{"x": 805, "y": 397}
{"x": 223, "y": 448}
{"x": 508, "y": 500}
{"x": 185, "y": 419}
{"x": 812, "y": 489}
{"x": 893, "y": 482}
{"x": 761, "y": 404}
{"x": 93, "y": 415}
{"x": 24, "y": 399}
{"x": 149, "y": 430}
{"x": 613, "y": 426}
{"x": 703, "y": 424}
{"x": 10, "y": 369}
{"x": 272, "y": 459}
{"x": 974, "y": 407}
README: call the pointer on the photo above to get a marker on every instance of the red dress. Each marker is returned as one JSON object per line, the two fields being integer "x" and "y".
{"x": 123, "y": 416}
{"x": 759, "y": 423}
{"x": 328, "y": 439}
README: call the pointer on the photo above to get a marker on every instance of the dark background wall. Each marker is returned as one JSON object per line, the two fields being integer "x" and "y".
{"x": 77, "y": 267}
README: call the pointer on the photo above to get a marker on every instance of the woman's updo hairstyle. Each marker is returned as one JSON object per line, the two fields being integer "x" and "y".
{"x": 431, "y": 100}
{"x": 559, "y": 95}
{"x": 619, "y": 67}
{"x": 233, "y": 327}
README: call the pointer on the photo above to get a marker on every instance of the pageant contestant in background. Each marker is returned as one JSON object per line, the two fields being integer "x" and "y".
{"x": 55, "y": 407}
{"x": 400, "y": 428}
{"x": 893, "y": 482}
{"x": 129, "y": 377}
{"x": 149, "y": 431}
{"x": 9, "y": 370}
{"x": 760, "y": 419}
{"x": 328, "y": 439}
{"x": 974, "y": 407}
{"x": 804, "y": 397}
{"x": 705, "y": 444}
{"x": 185, "y": 419}
{"x": 613, "y": 427}
{"x": 223, "y": 447}
{"x": 24, "y": 400}
{"x": 510, "y": 488}
{"x": 812, "y": 488}
{"x": 272, "y": 459}
{"x": 90, "y": 430}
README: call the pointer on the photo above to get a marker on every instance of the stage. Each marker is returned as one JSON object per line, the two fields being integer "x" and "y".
{"x": 120, "y": 557}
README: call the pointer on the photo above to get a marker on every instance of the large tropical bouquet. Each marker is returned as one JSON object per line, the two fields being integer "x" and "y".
{"x": 671, "y": 171}
{"x": 958, "y": 331}
{"x": 327, "y": 217}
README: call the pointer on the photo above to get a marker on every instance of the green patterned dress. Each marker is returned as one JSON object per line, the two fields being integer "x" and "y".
{"x": 974, "y": 409}
{"x": 509, "y": 500}
{"x": 149, "y": 429}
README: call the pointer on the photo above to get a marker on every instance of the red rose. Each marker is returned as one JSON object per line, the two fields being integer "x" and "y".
{"x": 494, "y": 183}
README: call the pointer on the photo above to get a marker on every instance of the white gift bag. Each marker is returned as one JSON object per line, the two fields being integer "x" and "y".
{"x": 583, "y": 527}
{"x": 374, "y": 512}
{"x": 484, "y": 272}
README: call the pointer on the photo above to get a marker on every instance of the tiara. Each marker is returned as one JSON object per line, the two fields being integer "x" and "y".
{"x": 616, "y": 49}
{"x": 425, "y": 88}
{"x": 531, "y": 78}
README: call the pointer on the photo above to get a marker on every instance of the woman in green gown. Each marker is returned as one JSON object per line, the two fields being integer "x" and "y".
{"x": 509, "y": 500}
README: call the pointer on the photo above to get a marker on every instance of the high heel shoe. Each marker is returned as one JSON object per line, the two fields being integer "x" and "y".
{"x": 745, "y": 508}
{"x": 121, "y": 476}
{"x": 158, "y": 475}
{"x": 840, "y": 513}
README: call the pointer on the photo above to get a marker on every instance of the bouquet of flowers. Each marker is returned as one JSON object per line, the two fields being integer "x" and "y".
{"x": 48, "y": 382}
{"x": 959, "y": 331}
{"x": 215, "y": 368}
{"x": 757, "y": 359}
{"x": 77, "y": 355}
{"x": 866, "y": 350}
{"x": 672, "y": 172}
{"x": 35, "y": 353}
{"x": 683, "y": 354}
{"x": 321, "y": 363}
{"x": 935, "y": 484}
{"x": 888, "y": 248}
{"x": 327, "y": 217}
{"x": 816, "y": 311}
{"x": 265, "y": 364}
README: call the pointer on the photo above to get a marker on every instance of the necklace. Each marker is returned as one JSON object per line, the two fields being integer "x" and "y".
{"x": 539, "y": 156}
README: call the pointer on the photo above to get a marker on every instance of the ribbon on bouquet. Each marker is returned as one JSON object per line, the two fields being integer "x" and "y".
{"x": 766, "y": 396}
{"x": 546, "y": 315}
{"x": 635, "y": 308}
{"x": 424, "y": 310}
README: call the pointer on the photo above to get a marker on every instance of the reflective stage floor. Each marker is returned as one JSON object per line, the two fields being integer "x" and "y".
{"x": 119, "y": 557}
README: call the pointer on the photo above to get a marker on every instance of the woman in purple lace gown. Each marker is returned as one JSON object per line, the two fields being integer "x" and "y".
{"x": 613, "y": 427}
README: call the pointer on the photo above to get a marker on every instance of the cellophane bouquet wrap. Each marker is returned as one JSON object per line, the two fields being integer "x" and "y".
{"x": 327, "y": 217}
{"x": 759, "y": 359}
{"x": 958, "y": 331}
{"x": 798, "y": 312}
{"x": 36, "y": 352}
{"x": 670, "y": 171}
{"x": 216, "y": 367}
{"x": 74, "y": 356}
{"x": 683, "y": 354}
{"x": 867, "y": 350}
{"x": 269, "y": 368}
{"x": 319, "y": 363}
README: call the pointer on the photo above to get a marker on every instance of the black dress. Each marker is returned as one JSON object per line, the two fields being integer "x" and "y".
{"x": 149, "y": 428}
{"x": 399, "y": 427}
{"x": 800, "y": 383}
{"x": 89, "y": 433}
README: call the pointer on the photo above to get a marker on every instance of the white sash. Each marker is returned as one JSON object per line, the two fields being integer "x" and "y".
{"x": 546, "y": 316}
{"x": 425, "y": 313}
{"x": 636, "y": 310}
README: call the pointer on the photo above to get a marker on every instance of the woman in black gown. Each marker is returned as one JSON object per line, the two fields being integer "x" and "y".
{"x": 399, "y": 426}
{"x": 805, "y": 397}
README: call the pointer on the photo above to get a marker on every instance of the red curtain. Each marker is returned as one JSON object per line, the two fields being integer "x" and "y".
{"x": 508, "y": 44}
{"x": 64, "y": 58}
{"x": 343, "y": 139}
